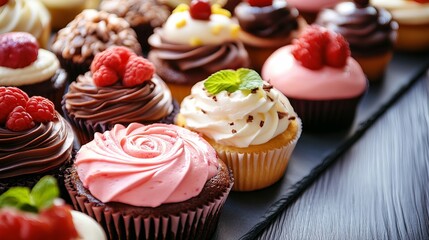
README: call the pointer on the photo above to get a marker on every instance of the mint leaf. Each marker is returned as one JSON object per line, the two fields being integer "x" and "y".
{"x": 231, "y": 80}
{"x": 250, "y": 79}
{"x": 17, "y": 197}
{"x": 44, "y": 192}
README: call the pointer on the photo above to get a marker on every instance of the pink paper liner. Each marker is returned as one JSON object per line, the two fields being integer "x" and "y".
{"x": 199, "y": 223}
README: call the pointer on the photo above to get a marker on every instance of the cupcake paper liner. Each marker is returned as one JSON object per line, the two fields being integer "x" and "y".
{"x": 198, "y": 223}
{"x": 253, "y": 171}
{"x": 326, "y": 115}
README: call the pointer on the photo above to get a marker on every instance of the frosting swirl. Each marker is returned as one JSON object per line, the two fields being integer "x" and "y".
{"x": 45, "y": 66}
{"x": 146, "y": 165}
{"x": 369, "y": 30}
{"x": 24, "y": 16}
{"x": 238, "y": 119}
{"x": 276, "y": 20}
{"x": 202, "y": 60}
{"x": 109, "y": 105}
{"x": 35, "y": 151}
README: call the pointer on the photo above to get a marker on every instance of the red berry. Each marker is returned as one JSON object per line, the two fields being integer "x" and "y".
{"x": 40, "y": 109}
{"x": 115, "y": 58}
{"x": 422, "y": 1}
{"x": 20, "y": 225}
{"x": 18, "y": 49}
{"x": 104, "y": 76}
{"x": 19, "y": 120}
{"x": 308, "y": 49}
{"x": 200, "y": 9}
{"x": 260, "y": 3}
{"x": 137, "y": 71}
{"x": 337, "y": 51}
{"x": 3, "y": 2}
{"x": 10, "y": 97}
{"x": 61, "y": 222}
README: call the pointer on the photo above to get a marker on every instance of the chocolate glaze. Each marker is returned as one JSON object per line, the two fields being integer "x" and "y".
{"x": 276, "y": 20}
{"x": 38, "y": 150}
{"x": 185, "y": 64}
{"x": 369, "y": 30}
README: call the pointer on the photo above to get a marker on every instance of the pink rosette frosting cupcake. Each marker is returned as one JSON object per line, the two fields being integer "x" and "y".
{"x": 156, "y": 181}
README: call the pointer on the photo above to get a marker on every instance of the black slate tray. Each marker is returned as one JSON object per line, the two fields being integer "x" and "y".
{"x": 247, "y": 213}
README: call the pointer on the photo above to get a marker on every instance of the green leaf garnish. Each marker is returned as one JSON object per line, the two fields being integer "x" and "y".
{"x": 40, "y": 197}
{"x": 231, "y": 81}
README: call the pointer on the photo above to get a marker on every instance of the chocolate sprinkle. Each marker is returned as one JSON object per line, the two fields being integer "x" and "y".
{"x": 214, "y": 98}
{"x": 272, "y": 100}
{"x": 282, "y": 114}
{"x": 267, "y": 87}
{"x": 292, "y": 118}
{"x": 202, "y": 110}
{"x": 261, "y": 124}
{"x": 249, "y": 119}
{"x": 234, "y": 131}
{"x": 231, "y": 124}
{"x": 254, "y": 90}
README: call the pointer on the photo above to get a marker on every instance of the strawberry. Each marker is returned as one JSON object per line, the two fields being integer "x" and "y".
{"x": 200, "y": 9}
{"x": 10, "y": 97}
{"x": 137, "y": 71}
{"x": 337, "y": 51}
{"x": 40, "y": 109}
{"x": 19, "y": 120}
{"x": 260, "y": 3}
{"x": 18, "y": 49}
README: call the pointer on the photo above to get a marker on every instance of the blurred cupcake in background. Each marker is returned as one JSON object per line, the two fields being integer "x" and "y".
{"x": 267, "y": 26}
{"x": 26, "y": 16}
{"x": 89, "y": 33}
{"x": 310, "y": 8}
{"x": 194, "y": 42}
{"x": 370, "y": 32}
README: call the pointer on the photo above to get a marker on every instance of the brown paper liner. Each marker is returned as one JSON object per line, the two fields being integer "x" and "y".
{"x": 413, "y": 38}
{"x": 196, "y": 223}
{"x": 374, "y": 67}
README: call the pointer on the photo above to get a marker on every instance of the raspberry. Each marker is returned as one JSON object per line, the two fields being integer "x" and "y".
{"x": 104, "y": 76}
{"x": 10, "y": 97}
{"x": 19, "y": 120}
{"x": 308, "y": 49}
{"x": 260, "y": 3}
{"x": 3, "y": 2}
{"x": 40, "y": 109}
{"x": 115, "y": 58}
{"x": 18, "y": 49}
{"x": 337, "y": 51}
{"x": 137, "y": 71}
{"x": 200, "y": 9}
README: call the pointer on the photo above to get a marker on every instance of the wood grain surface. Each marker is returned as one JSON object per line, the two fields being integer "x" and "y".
{"x": 379, "y": 189}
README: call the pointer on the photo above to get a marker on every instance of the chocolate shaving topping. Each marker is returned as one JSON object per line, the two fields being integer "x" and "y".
{"x": 202, "y": 110}
{"x": 249, "y": 119}
{"x": 231, "y": 123}
{"x": 267, "y": 87}
{"x": 261, "y": 124}
{"x": 282, "y": 114}
{"x": 292, "y": 118}
{"x": 254, "y": 90}
{"x": 234, "y": 131}
{"x": 271, "y": 99}
{"x": 214, "y": 98}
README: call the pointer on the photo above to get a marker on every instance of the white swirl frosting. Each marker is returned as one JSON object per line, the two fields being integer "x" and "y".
{"x": 23, "y": 16}
{"x": 406, "y": 11}
{"x": 45, "y": 66}
{"x": 238, "y": 119}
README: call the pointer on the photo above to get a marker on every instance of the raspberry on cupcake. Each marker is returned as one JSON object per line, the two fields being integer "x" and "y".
{"x": 34, "y": 139}
{"x": 36, "y": 71}
{"x": 120, "y": 88}
{"x": 323, "y": 83}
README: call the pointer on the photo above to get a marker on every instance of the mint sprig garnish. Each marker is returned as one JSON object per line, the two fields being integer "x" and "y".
{"x": 40, "y": 197}
{"x": 231, "y": 81}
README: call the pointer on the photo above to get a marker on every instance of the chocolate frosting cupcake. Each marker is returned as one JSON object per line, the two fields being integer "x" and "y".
{"x": 273, "y": 21}
{"x": 368, "y": 29}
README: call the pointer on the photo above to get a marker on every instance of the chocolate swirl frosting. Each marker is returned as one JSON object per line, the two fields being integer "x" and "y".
{"x": 197, "y": 62}
{"x": 44, "y": 147}
{"x": 276, "y": 20}
{"x": 369, "y": 30}
{"x": 146, "y": 103}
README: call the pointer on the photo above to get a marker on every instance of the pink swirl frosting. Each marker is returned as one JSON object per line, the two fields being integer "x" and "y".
{"x": 146, "y": 165}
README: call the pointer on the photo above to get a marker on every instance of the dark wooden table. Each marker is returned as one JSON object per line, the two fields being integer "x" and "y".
{"x": 369, "y": 182}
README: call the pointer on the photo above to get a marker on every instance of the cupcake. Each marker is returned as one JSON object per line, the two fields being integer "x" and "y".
{"x": 120, "y": 88}
{"x": 310, "y": 8}
{"x": 413, "y": 19}
{"x": 143, "y": 16}
{"x": 26, "y": 213}
{"x": 34, "y": 139}
{"x": 89, "y": 33}
{"x": 36, "y": 71}
{"x": 193, "y": 43}
{"x": 370, "y": 32}
{"x": 26, "y": 16}
{"x": 155, "y": 181}
{"x": 250, "y": 124}
{"x": 64, "y": 11}
{"x": 323, "y": 83}
{"x": 267, "y": 26}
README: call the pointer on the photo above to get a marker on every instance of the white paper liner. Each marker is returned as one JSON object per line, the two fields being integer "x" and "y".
{"x": 198, "y": 223}
{"x": 253, "y": 171}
